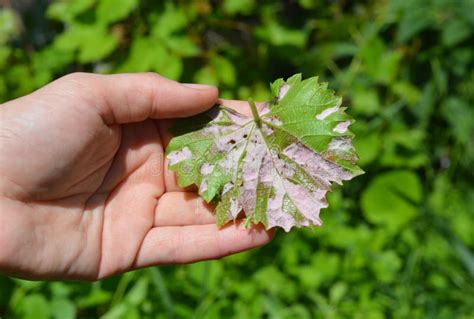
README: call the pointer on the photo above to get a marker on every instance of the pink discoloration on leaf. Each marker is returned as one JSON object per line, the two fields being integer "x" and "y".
{"x": 275, "y": 217}
{"x": 307, "y": 203}
{"x": 252, "y": 163}
{"x": 318, "y": 167}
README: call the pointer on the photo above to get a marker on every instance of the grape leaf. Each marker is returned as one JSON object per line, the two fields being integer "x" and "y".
{"x": 276, "y": 166}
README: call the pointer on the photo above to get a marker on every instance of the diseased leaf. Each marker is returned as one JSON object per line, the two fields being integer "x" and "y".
{"x": 276, "y": 166}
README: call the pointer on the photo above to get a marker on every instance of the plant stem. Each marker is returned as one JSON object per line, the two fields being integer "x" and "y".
{"x": 256, "y": 117}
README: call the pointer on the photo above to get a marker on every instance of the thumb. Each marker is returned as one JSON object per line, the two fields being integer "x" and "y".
{"x": 135, "y": 97}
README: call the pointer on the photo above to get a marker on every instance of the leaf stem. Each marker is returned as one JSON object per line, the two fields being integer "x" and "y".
{"x": 256, "y": 117}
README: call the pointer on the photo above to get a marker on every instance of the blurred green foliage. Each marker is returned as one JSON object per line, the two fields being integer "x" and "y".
{"x": 397, "y": 242}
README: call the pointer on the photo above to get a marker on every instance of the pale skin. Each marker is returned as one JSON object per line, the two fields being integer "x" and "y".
{"x": 84, "y": 188}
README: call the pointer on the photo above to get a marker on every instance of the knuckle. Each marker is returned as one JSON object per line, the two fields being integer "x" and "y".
{"x": 73, "y": 82}
{"x": 76, "y": 76}
{"x": 152, "y": 77}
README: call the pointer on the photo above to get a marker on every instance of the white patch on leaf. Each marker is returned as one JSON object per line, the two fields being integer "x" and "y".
{"x": 179, "y": 156}
{"x": 283, "y": 90}
{"x": 225, "y": 143}
{"x": 227, "y": 187}
{"x": 340, "y": 144}
{"x": 342, "y": 127}
{"x": 274, "y": 120}
{"x": 206, "y": 169}
{"x": 203, "y": 186}
{"x": 235, "y": 208}
{"x": 321, "y": 116}
{"x": 267, "y": 130}
{"x": 232, "y": 145}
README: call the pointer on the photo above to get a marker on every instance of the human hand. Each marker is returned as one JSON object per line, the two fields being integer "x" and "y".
{"x": 84, "y": 189}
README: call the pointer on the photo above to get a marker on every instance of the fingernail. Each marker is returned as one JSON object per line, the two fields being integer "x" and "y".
{"x": 198, "y": 86}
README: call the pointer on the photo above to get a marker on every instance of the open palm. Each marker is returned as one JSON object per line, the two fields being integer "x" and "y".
{"x": 84, "y": 190}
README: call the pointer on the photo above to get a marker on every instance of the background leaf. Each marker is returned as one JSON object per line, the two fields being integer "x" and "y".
{"x": 391, "y": 199}
{"x": 113, "y": 10}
